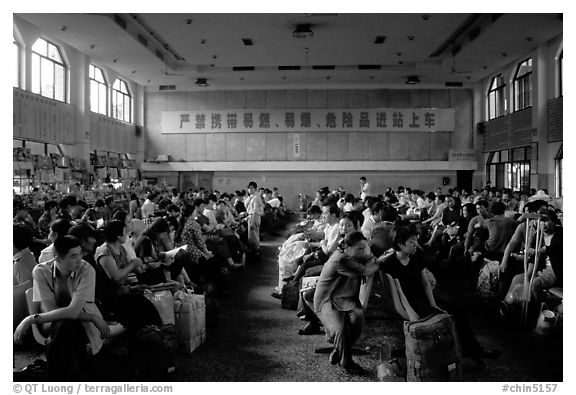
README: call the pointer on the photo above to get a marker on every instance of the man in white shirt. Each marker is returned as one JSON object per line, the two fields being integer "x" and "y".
{"x": 255, "y": 210}
{"x": 364, "y": 188}
{"x": 148, "y": 207}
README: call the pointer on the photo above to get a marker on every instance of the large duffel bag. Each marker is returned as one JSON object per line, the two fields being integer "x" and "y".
{"x": 432, "y": 349}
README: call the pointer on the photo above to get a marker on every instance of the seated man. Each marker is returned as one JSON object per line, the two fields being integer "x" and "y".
{"x": 337, "y": 297}
{"x": 22, "y": 258}
{"x": 65, "y": 288}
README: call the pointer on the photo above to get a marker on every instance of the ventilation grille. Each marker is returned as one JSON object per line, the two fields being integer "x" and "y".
{"x": 288, "y": 68}
{"x": 324, "y": 67}
{"x": 120, "y": 22}
{"x": 369, "y": 67}
{"x": 142, "y": 40}
{"x": 167, "y": 88}
{"x": 453, "y": 84}
{"x": 243, "y": 68}
{"x": 247, "y": 41}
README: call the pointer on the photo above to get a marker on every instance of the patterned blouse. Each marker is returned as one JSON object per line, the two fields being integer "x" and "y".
{"x": 192, "y": 236}
{"x": 43, "y": 228}
{"x": 121, "y": 260}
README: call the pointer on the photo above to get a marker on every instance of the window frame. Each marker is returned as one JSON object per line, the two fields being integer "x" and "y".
{"x": 560, "y": 74}
{"x": 506, "y": 169}
{"x": 54, "y": 62}
{"x": 499, "y": 95}
{"x": 18, "y": 63}
{"x": 99, "y": 84}
{"x": 558, "y": 170}
{"x": 524, "y": 83}
{"x": 116, "y": 93}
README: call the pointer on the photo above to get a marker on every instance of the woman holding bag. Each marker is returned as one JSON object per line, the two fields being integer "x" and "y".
{"x": 406, "y": 266}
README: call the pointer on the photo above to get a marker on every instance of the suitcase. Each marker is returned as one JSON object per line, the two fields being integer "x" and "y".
{"x": 190, "y": 314}
{"x": 433, "y": 349}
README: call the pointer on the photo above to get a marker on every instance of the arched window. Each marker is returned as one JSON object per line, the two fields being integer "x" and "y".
{"x": 523, "y": 85}
{"x": 98, "y": 90}
{"x": 558, "y": 187}
{"x": 48, "y": 70}
{"x": 561, "y": 73}
{"x": 496, "y": 97}
{"x": 121, "y": 101}
{"x": 16, "y": 59}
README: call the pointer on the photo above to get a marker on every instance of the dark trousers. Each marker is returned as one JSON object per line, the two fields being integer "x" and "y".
{"x": 306, "y": 307}
{"x": 134, "y": 311}
{"x": 67, "y": 352}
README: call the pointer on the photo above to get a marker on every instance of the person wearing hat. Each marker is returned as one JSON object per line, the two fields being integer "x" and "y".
{"x": 512, "y": 263}
{"x": 549, "y": 272}
{"x": 87, "y": 236}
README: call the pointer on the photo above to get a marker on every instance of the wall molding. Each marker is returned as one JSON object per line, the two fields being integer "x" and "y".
{"x": 312, "y": 166}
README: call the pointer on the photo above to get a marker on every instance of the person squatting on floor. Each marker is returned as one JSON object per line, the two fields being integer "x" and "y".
{"x": 337, "y": 301}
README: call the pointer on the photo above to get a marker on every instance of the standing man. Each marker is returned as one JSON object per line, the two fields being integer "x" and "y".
{"x": 255, "y": 210}
{"x": 364, "y": 188}
{"x": 148, "y": 207}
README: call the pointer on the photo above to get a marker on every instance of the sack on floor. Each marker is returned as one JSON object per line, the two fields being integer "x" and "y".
{"x": 488, "y": 280}
{"x": 288, "y": 260}
{"x": 432, "y": 349}
{"x": 149, "y": 358}
{"x": 290, "y": 294}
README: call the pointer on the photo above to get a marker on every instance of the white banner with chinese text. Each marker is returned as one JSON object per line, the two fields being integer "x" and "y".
{"x": 290, "y": 120}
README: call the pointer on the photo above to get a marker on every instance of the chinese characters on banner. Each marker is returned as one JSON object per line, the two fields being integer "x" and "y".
{"x": 337, "y": 120}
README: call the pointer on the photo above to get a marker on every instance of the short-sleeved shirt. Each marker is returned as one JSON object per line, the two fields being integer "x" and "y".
{"x": 331, "y": 233}
{"x": 410, "y": 278}
{"x": 81, "y": 285}
{"x": 24, "y": 263}
{"x": 46, "y": 254}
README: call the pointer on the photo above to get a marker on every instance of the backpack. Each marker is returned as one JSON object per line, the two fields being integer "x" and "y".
{"x": 488, "y": 280}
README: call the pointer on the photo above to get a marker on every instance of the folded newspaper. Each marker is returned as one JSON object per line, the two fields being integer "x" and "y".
{"x": 172, "y": 253}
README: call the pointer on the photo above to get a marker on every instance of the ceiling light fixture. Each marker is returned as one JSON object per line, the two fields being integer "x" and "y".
{"x": 201, "y": 82}
{"x": 303, "y": 31}
{"x": 412, "y": 79}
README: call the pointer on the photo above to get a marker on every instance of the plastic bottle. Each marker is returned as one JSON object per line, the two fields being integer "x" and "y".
{"x": 383, "y": 370}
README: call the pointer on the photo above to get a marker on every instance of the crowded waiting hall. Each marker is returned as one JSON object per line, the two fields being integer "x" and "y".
{"x": 288, "y": 197}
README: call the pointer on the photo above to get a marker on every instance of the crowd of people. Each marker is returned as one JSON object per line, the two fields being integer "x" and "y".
{"x": 416, "y": 238}
{"x": 84, "y": 260}
{"x": 87, "y": 263}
